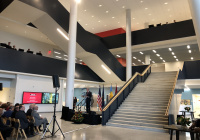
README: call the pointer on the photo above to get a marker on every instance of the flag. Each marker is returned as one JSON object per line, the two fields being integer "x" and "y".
{"x": 111, "y": 94}
{"x": 99, "y": 101}
{"x": 116, "y": 90}
{"x": 103, "y": 97}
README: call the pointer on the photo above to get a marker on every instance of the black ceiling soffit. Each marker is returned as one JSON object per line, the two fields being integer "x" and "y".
{"x": 4, "y": 4}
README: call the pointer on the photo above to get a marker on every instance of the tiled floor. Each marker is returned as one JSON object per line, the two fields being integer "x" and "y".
{"x": 87, "y": 132}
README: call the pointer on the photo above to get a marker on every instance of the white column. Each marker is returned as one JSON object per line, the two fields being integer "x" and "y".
{"x": 128, "y": 45}
{"x": 71, "y": 55}
{"x": 147, "y": 59}
{"x": 195, "y": 12}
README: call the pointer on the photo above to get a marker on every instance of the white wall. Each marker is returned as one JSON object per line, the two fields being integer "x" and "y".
{"x": 174, "y": 66}
{"x": 25, "y": 43}
{"x": 8, "y": 92}
{"x": 37, "y": 84}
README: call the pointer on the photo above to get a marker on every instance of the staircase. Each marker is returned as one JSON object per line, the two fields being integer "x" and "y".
{"x": 145, "y": 106}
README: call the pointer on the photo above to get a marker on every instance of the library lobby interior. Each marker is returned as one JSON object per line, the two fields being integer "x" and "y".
{"x": 100, "y": 69}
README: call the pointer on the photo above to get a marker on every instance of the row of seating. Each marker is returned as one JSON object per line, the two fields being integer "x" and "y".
{"x": 17, "y": 130}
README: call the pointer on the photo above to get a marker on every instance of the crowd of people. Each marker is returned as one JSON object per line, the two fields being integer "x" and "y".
{"x": 14, "y": 48}
{"x": 7, "y": 110}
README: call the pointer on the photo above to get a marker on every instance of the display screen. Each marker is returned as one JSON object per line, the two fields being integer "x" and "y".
{"x": 32, "y": 97}
{"x": 49, "y": 98}
{"x": 39, "y": 98}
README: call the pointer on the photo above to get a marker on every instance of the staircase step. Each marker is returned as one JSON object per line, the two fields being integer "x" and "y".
{"x": 137, "y": 127}
{"x": 142, "y": 107}
{"x": 154, "y": 114}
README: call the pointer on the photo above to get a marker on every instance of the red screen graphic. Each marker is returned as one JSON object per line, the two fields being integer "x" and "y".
{"x": 32, "y": 97}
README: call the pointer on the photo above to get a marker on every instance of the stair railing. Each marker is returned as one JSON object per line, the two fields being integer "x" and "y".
{"x": 171, "y": 95}
{"x": 117, "y": 100}
{"x": 80, "y": 104}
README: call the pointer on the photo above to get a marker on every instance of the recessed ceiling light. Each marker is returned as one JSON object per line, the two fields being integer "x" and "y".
{"x": 92, "y": 28}
{"x": 99, "y": 21}
{"x": 149, "y": 59}
{"x": 65, "y": 55}
{"x": 142, "y": 62}
{"x": 149, "y": 14}
{"x": 189, "y": 51}
{"x": 168, "y": 9}
{"x": 166, "y": 3}
{"x": 174, "y": 56}
{"x": 170, "y": 49}
{"x": 65, "y": 58}
{"x": 192, "y": 58}
{"x": 158, "y": 54}
{"x": 80, "y": 60}
{"x": 118, "y": 55}
{"x": 118, "y": 22}
{"x": 141, "y": 1}
{"x": 137, "y": 23}
{"x": 58, "y": 57}
{"x": 56, "y": 52}
{"x": 123, "y": 6}
{"x": 154, "y": 51}
{"x": 145, "y": 8}
{"x": 134, "y": 57}
{"x": 133, "y": 63}
{"x": 92, "y": 16}
{"x": 106, "y": 11}
{"x": 105, "y": 25}
{"x": 176, "y": 59}
{"x": 85, "y": 10}
{"x": 161, "y": 58}
{"x": 100, "y": 5}
{"x": 141, "y": 52}
{"x": 117, "y": 0}
{"x": 188, "y": 46}
{"x": 113, "y": 17}
{"x": 139, "y": 60}
{"x": 172, "y": 53}
{"x": 133, "y": 18}
{"x": 153, "y": 62}
{"x": 78, "y": 1}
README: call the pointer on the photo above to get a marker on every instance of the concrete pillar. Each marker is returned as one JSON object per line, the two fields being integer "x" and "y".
{"x": 195, "y": 12}
{"x": 128, "y": 45}
{"x": 71, "y": 55}
{"x": 147, "y": 59}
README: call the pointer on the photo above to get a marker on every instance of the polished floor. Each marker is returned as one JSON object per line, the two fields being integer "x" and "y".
{"x": 97, "y": 132}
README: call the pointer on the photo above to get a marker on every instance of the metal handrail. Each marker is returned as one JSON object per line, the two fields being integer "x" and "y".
{"x": 122, "y": 89}
{"x": 172, "y": 92}
{"x": 80, "y": 104}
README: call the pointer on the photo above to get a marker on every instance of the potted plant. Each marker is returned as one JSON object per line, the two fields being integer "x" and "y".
{"x": 183, "y": 121}
{"x": 77, "y": 117}
{"x": 187, "y": 109}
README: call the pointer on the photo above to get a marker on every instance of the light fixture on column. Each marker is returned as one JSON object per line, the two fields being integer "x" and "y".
{"x": 78, "y": 1}
{"x": 62, "y": 34}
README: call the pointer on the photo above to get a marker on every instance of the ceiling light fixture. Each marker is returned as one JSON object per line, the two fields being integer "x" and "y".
{"x": 149, "y": 59}
{"x": 65, "y": 58}
{"x": 145, "y": 8}
{"x": 106, "y": 69}
{"x": 158, "y": 54}
{"x": 92, "y": 16}
{"x": 56, "y": 52}
{"x": 188, "y": 46}
{"x": 139, "y": 60}
{"x": 141, "y": 1}
{"x": 65, "y": 55}
{"x": 113, "y": 17}
{"x": 142, "y": 62}
{"x": 78, "y": 1}
{"x": 176, "y": 59}
{"x": 81, "y": 60}
{"x": 106, "y": 11}
{"x": 62, "y": 34}
{"x": 58, "y": 57}
{"x": 189, "y": 51}
{"x": 100, "y": 5}
{"x": 174, "y": 56}
{"x": 133, "y": 18}
{"x": 170, "y": 49}
{"x": 133, "y": 63}
{"x": 192, "y": 58}
{"x": 118, "y": 55}
{"x": 153, "y": 62}
{"x": 161, "y": 58}
{"x": 99, "y": 21}
{"x": 154, "y": 51}
{"x": 123, "y": 6}
{"x": 165, "y": 3}
{"x": 85, "y": 10}
{"x": 172, "y": 53}
{"x": 141, "y": 52}
{"x": 134, "y": 57}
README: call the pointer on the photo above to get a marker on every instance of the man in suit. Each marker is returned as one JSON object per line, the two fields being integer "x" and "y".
{"x": 9, "y": 112}
{"x": 5, "y": 130}
{"x": 88, "y": 100}
{"x": 39, "y": 120}
{"x": 25, "y": 123}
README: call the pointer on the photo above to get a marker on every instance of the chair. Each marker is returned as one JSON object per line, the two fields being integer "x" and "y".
{"x": 33, "y": 120}
{"x": 8, "y": 122}
{"x": 1, "y": 137}
{"x": 18, "y": 128}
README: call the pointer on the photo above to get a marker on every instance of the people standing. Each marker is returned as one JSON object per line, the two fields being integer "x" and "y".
{"x": 74, "y": 103}
{"x": 88, "y": 100}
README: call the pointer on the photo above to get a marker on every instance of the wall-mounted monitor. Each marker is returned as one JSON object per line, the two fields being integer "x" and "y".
{"x": 39, "y": 98}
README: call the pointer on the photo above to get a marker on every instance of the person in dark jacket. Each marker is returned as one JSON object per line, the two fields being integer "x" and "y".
{"x": 25, "y": 123}
{"x": 29, "y": 111}
{"x": 88, "y": 100}
{"x": 15, "y": 111}
{"x": 5, "y": 130}
{"x": 9, "y": 112}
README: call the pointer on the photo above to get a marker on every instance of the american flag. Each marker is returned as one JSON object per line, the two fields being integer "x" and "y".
{"x": 99, "y": 99}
